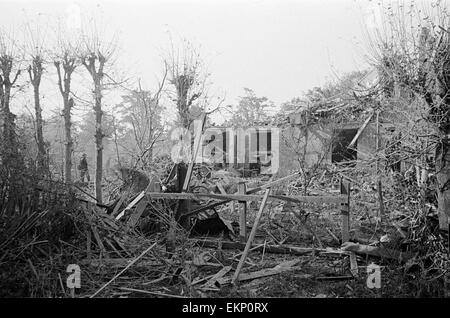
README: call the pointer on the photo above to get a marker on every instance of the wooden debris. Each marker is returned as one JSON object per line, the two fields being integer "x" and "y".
{"x": 327, "y": 278}
{"x": 110, "y": 244}
{"x": 160, "y": 279}
{"x": 345, "y": 211}
{"x": 150, "y": 292}
{"x": 376, "y": 251}
{"x": 332, "y": 235}
{"x": 132, "y": 204}
{"x": 96, "y": 235}
{"x": 221, "y": 188}
{"x": 197, "y": 144}
{"x": 280, "y": 268}
{"x": 119, "y": 204}
{"x": 118, "y": 263}
{"x": 361, "y": 129}
{"x": 201, "y": 259}
{"x": 242, "y": 214}
{"x": 122, "y": 271}
{"x": 212, "y": 281}
{"x": 329, "y": 199}
{"x": 88, "y": 244}
{"x": 137, "y": 214}
{"x": 353, "y": 265}
{"x": 274, "y": 249}
{"x": 225, "y": 198}
{"x": 251, "y": 237}
{"x": 308, "y": 228}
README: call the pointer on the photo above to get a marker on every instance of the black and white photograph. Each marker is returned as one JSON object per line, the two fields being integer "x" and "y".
{"x": 221, "y": 155}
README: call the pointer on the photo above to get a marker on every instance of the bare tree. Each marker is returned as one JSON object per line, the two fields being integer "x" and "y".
{"x": 9, "y": 73}
{"x": 189, "y": 80}
{"x": 65, "y": 61}
{"x": 95, "y": 56}
{"x": 142, "y": 110}
{"x": 35, "y": 43}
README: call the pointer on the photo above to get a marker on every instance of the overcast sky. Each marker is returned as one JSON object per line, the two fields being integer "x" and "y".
{"x": 278, "y": 48}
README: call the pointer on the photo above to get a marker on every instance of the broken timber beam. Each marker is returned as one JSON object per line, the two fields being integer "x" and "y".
{"x": 345, "y": 211}
{"x": 132, "y": 204}
{"x": 250, "y": 191}
{"x": 274, "y": 249}
{"x": 376, "y": 251}
{"x": 251, "y": 237}
{"x": 225, "y": 198}
{"x": 242, "y": 214}
{"x": 360, "y": 131}
{"x": 197, "y": 143}
{"x": 134, "y": 219}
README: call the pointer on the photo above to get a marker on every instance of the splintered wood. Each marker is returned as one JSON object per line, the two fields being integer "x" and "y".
{"x": 252, "y": 236}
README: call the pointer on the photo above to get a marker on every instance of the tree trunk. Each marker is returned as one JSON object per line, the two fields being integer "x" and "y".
{"x": 98, "y": 141}
{"x": 68, "y": 103}
{"x": 35, "y": 72}
{"x": 39, "y": 134}
{"x": 443, "y": 181}
{"x": 7, "y": 129}
{"x": 64, "y": 81}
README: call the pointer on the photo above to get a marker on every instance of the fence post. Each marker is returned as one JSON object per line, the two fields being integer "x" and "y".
{"x": 242, "y": 189}
{"x": 345, "y": 212}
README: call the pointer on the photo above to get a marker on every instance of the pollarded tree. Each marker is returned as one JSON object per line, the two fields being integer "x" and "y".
{"x": 188, "y": 78}
{"x": 66, "y": 61}
{"x": 9, "y": 73}
{"x": 35, "y": 47}
{"x": 96, "y": 56}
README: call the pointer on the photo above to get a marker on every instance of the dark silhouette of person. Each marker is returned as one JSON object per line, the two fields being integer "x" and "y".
{"x": 83, "y": 167}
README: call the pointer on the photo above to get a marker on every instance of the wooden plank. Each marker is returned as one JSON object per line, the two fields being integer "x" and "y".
{"x": 338, "y": 278}
{"x": 225, "y": 198}
{"x": 211, "y": 282}
{"x": 119, "y": 204}
{"x": 252, "y": 236}
{"x": 95, "y": 232}
{"x": 99, "y": 241}
{"x": 221, "y": 188}
{"x": 280, "y": 268}
{"x": 275, "y": 249}
{"x": 376, "y": 251}
{"x": 360, "y": 130}
{"x": 274, "y": 183}
{"x": 132, "y": 204}
{"x": 380, "y": 198}
{"x": 345, "y": 212}
{"x": 113, "y": 247}
{"x": 137, "y": 213}
{"x": 266, "y": 272}
{"x": 242, "y": 214}
{"x": 122, "y": 271}
{"x": 267, "y": 185}
{"x": 117, "y": 240}
{"x": 353, "y": 265}
{"x": 197, "y": 142}
{"x": 151, "y": 292}
{"x": 88, "y": 244}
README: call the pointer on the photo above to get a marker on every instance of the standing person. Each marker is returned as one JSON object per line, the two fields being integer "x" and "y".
{"x": 83, "y": 167}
